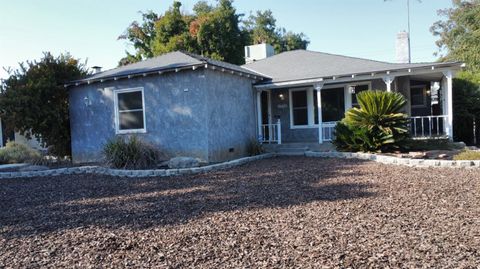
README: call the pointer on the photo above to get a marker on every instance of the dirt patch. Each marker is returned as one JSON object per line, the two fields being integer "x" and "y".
{"x": 282, "y": 212}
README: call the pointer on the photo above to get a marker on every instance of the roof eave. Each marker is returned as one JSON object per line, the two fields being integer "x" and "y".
{"x": 160, "y": 71}
{"x": 429, "y": 68}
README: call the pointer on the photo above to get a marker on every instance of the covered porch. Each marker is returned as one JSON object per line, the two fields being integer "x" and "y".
{"x": 306, "y": 111}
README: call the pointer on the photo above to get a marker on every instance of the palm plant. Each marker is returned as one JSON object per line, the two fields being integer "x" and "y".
{"x": 377, "y": 125}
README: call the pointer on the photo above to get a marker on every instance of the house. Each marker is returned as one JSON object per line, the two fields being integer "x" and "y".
{"x": 189, "y": 105}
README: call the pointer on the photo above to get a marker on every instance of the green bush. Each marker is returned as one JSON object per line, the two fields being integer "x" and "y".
{"x": 467, "y": 155}
{"x": 255, "y": 148}
{"x": 377, "y": 125}
{"x": 130, "y": 153}
{"x": 18, "y": 153}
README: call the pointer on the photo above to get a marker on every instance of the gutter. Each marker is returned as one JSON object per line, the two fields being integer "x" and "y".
{"x": 432, "y": 68}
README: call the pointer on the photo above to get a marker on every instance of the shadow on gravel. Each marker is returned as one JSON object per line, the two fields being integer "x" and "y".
{"x": 45, "y": 205}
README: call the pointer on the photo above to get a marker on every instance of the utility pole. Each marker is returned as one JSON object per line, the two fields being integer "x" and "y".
{"x": 409, "y": 36}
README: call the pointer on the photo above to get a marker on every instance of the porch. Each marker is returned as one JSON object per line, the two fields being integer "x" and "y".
{"x": 308, "y": 113}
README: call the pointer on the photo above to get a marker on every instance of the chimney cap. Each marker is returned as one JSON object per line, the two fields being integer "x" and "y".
{"x": 97, "y": 69}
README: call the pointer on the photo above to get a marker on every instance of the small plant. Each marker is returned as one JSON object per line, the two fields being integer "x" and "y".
{"x": 18, "y": 153}
{"x": 467, "y": 155}
{"x": 377, "y": 125}
{"x": 255, "y": 148}
{"x": 130, "y": 153}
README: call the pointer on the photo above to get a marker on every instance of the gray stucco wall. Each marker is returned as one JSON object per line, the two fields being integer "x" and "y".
{"x": 231, "y": 116}
{"x": 178, "y": 108}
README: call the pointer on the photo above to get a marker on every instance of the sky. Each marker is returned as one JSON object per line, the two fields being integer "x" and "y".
{"x": 88, "y": 29}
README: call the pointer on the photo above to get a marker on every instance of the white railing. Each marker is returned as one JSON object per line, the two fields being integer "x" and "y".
{"x": 428, "y": 126}
{"x": 271, "y": 133}
{"x": 328, "y": 129}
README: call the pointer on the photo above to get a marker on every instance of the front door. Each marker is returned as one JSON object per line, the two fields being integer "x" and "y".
{"x": 265, "y": 114}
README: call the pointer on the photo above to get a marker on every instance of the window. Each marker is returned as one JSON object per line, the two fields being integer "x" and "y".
{"x": 130, "y": 110}
{"x": 357, "y": 89}
{"x": 333, "y": 105}
{"x": 299, "y": 104}
{"x": 418, "y": 96}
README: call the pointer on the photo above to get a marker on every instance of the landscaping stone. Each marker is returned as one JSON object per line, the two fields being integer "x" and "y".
{"x": 287, "y": 212}
{"x": 183, "y": 162}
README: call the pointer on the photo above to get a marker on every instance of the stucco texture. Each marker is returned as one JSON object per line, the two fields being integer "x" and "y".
{"x": 202, "y": 113}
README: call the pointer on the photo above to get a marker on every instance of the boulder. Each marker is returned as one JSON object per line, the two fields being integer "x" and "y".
{"x": 183, "y": 162}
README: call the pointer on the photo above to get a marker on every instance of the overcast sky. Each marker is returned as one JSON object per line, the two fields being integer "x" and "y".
{"x": 88, "y": 29}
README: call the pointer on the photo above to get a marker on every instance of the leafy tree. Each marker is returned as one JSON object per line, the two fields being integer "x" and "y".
{"x": 171, "y": 32}
{"x": 459, "y": 34}
{"x": 459, "y": 40}
{"x": 202, "y": 8}
{"x": 219, "y": 35}
{"x": 141, "y": 37}
{"x": 215, "y": 31}
{"x": 262, "y": 29}
{"x": 34, "y": 101}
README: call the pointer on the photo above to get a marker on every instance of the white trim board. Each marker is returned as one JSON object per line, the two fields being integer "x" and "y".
{"x": 117, "y": 118}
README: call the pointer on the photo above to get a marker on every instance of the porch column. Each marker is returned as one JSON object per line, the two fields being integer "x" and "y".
{"x": 449, "y": 103}
{"x": 318, "y": 87}
{"x": 388, "y": 81}
{"x": 259, "y": 114}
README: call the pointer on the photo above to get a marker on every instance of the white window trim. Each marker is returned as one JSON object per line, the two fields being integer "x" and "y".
{"x": 311, "y": 93}
{"x": 117, "y": 116}
{"x": 310, "y": 116}
{"x": 369, "y": 84}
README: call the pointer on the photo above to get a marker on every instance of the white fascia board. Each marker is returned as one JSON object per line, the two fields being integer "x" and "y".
{"x": 427, "y": 69}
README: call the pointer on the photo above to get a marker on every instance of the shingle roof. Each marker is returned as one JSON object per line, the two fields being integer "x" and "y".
{"x": 304, "y": 64}
{"x": 165, "y": 62}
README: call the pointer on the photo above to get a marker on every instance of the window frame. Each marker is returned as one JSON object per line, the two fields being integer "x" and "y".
{"x": 369, "y": 84}
{"x": 310, "y": 117}
{"x": 311, "y": 94}
{"x": 424, "y": 95}
{"x": 117, "y": 111}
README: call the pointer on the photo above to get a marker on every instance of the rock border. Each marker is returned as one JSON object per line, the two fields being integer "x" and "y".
{"x": 395, "y": 160}
{"x": 98, "y": 170}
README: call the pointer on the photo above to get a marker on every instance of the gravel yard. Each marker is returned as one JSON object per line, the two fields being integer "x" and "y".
{"x": 282, "y": 212}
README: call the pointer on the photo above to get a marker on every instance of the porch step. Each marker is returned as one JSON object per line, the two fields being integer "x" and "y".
{"x": 297, "y": 149}
{"x": 289, "y": 151}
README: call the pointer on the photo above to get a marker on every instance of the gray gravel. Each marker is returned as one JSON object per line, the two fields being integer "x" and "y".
{"x": 289, "y": 212}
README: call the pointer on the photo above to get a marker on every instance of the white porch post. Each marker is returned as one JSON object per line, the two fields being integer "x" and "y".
{"x": 388, "y": 81}
{"x": 318, "y": 87}
{"x": 259, "y": 114}
{"x": 449, "y": 103}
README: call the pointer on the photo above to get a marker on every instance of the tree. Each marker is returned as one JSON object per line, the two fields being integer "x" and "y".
{"x": 459, "y": 34}
{"x": 219, "y": 35}
{"x": 34, "y": 101}
{"x": 459, "y": 40}
{"x": 262, "y": 29}
{"x": 215, "y": 31}
{"x": 141, "y": 37}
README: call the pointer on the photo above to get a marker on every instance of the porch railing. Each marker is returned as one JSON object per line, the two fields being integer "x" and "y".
{"x": 328, "y": 129}
{"x": 271, "y": 133}
{"x": 428, "y": 126}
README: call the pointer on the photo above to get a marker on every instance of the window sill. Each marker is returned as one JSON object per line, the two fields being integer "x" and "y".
{"x": 136, "y": 131}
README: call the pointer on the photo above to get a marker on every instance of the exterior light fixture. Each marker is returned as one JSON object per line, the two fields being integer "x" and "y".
{"x": 87, "y": 101}
{"x": 351, "y": 89}
{"x": 281, "y": 96}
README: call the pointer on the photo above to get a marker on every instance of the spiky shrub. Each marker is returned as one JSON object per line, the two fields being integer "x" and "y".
{"x": 18, "y": 153}
{"x": 377, "y": 125}
{"x": 130, "y": 153}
